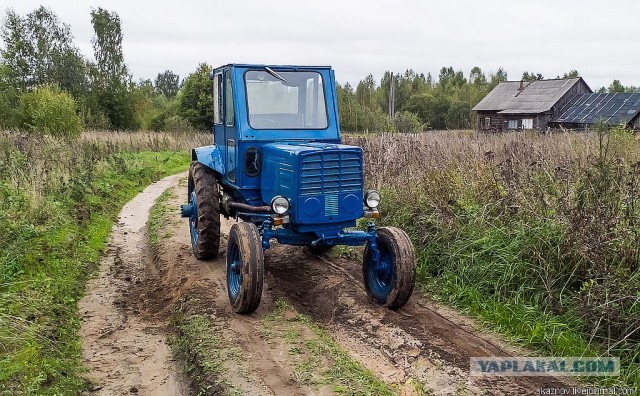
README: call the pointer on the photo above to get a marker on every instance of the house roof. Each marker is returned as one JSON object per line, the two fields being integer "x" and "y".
{"x": 499, "y": 97}
{"x": 535, "y": 96}
{"x": 612, "y": 108}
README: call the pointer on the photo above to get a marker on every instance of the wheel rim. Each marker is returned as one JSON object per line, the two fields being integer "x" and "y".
{"x": 380, "y": 275}
{"x": 234, "y": 272}
{"x": 193, "y": 221}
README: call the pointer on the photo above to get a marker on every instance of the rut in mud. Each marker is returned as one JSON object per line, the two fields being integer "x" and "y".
{"x": 315, "y": 331}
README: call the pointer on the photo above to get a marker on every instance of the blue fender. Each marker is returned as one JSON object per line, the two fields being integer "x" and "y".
{"x": 210, "y": 156}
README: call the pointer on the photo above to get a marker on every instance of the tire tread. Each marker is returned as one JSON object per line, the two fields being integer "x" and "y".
{"x": 405, "y": 262}
{"x": 247, "y": 237}
{"x": 208, "y": 200}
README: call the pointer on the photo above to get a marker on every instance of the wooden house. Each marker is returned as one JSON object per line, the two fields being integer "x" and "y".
{"x": 516, "y": 105}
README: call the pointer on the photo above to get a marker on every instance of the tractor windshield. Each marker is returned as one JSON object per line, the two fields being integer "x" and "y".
{"x": 285, "y": 100}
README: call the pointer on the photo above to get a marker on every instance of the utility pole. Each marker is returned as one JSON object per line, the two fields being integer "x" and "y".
{"x": 392, "y": 98}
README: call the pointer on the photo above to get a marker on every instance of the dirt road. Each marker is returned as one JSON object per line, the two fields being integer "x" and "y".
{"x": 314, "y": 333}
{"x": 125, "y": 353}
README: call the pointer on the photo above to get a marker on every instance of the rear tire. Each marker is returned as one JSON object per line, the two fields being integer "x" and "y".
{"x": 245, "y": 268}
{"x": 204, "y": 224}
{"x": 391, "y": 282}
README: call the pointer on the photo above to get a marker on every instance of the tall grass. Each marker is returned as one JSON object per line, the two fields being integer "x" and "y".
{"x": 537, "y": 235}
{"x": 58, "y": 201}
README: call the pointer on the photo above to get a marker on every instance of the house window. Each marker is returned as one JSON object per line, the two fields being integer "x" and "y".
{"x": 512, "y": 124}
{"x": 527, "y": 123}
{"x": 487, "y": 122}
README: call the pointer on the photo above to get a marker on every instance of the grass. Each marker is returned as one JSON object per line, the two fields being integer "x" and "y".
{"x": 58, "y": 203}
{"x": 198, "y": 346}
{"x": 535, "y": 235}
{"x": 316, "y": 357}
{"x": 159, "y": 218}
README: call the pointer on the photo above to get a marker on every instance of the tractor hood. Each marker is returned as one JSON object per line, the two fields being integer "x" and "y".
{"x": 323, "y": 181}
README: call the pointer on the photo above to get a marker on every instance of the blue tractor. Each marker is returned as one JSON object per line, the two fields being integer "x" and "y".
{"x": 277, "y": 163}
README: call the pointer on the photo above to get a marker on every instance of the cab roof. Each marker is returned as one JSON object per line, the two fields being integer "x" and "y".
{"x": 261, "y": 66}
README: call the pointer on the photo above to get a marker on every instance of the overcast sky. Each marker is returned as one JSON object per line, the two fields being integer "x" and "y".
{"x": 601, "y": 39}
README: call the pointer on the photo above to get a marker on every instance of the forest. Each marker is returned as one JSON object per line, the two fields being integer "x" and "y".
{"x": 48, "y": 86}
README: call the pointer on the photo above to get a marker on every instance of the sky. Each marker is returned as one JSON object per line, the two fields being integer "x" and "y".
{"x": 600, "y": 39}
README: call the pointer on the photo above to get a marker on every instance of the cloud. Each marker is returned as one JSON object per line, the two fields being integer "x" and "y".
{"x": 599, "y": 39}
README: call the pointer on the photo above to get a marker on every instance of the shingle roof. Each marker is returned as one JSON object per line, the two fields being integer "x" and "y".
{"x": 499, "y": 97}
{"x": 612, "y": 108}
{"x": 535, "y": 97}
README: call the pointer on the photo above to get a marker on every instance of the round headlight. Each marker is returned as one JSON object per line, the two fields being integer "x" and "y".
{"x": 280, "y": 204}
{"x": 372, "y": 199}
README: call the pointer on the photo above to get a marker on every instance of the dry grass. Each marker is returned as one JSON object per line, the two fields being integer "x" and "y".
{"x": 148, "y": 140}
{"x": 538, "y": 235}
{"x": 406, "y": 157}
{"x": 38, "y": 165}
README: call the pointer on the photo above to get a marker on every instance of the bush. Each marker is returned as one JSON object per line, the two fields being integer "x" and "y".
{"x": 406, "y": 121}
{"x": 8, "y": 111}
{"x": 177, "y": 124}
{"x": 116, "y": 101}
{"x": 50, "y": 111}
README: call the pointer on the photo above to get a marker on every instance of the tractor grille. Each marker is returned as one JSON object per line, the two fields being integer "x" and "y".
{"x": 331, "y": 173}
{"x": 331, "y": 207}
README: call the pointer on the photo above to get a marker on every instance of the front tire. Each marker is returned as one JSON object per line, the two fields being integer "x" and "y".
{"x": 245, "y": 268}
{"x": 204, "y": 223}
{"x": 390, "y": 282}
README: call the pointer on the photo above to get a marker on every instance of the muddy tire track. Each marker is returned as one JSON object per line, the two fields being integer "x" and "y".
{"x": 191, "y": 287}
{"x": 421, "y": 340}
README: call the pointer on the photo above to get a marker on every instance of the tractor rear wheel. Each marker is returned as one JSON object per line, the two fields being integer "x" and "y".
{"x": 204, "y": 222}
{"x": 390, "y": 281}
{"x": 245, "y": 267}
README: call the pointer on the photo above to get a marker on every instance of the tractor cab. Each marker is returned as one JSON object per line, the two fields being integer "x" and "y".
{"x": 258, "y": 105}
{"x": 277, "y": 163}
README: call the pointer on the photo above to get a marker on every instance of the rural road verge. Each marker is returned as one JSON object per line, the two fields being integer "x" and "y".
{"x": 124, "y": 352}
{"x": 315, "y": 331}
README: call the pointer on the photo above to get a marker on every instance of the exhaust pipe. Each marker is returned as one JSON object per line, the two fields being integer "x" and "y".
{"x": 249, "y": 208}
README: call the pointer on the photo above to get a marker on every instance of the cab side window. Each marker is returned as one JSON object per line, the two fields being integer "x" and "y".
{"x": 229, "y": 111}
{"x": 217, "y": 99}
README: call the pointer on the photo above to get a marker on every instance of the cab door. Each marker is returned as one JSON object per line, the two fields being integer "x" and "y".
{"x": 230, "y": 131}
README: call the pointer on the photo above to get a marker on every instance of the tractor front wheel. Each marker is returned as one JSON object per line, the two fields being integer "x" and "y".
{"x": 204, "y": 222}
{"x": 389, "y": 281}
{"x": 245, "y": 267}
